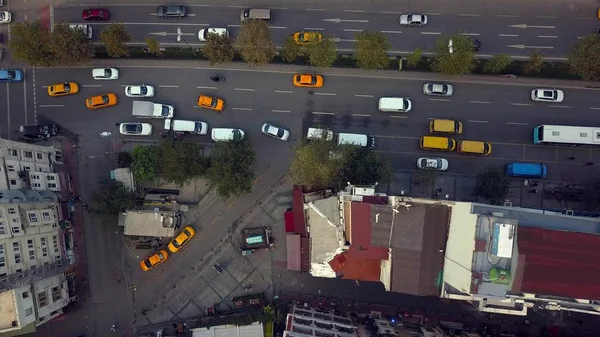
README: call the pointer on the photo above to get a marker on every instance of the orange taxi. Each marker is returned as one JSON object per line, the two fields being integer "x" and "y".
{"x": 308, "y": 80}
{"x": 101, "y": 101}
{"x": 154, "y": 260}
{"x": 307, "y": 37}
{"x": 186, "y": 235}
{"x": 63, "y": 89}
{"x": 212, "y": 103}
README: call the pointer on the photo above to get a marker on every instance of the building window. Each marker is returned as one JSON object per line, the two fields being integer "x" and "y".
{"x": 44, "y": 251}
{"x": 56, "y": 295}
{"x": 28, "y": 312}
{"x": 2, "y": 228}
{"x": 12, "y": 152}
{"x": 39, "y": 156}
{"x": 1, "y": 214}
{"x": 12, "y": 210}
{"x": 10, "y": 168}
{"x": 51, "y": 185}
{"x": 43, "y": 241}
{"x": 57, "y": 257}
{"x": 27, "y": 154}
{"x": 16, "y": 247}
{"x": 17, "y": 258}
{"x": 31, "y": 255}
{"x": 2, "y": 262}
{"x": 26, "y": 168}
{"x": 25, "y": 294}
{"x": 1, "y": 249}
{"x": 13, "y": 182}
{"x": 47, "y": 216}
{"x": 16, "y": 230}
{"x": 32, "y": 217}
{"x": 50, "y": 178}
{"x": 30, "y": 244}
{"x": 42, "y": 299}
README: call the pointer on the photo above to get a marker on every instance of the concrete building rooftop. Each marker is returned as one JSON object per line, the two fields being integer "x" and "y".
{"x": 8, "y": 309}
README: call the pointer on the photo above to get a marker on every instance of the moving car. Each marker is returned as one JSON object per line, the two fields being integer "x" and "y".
{"x": 11, "y": 75}
{"x": 63, "y": 89}
{"x": 212, "y": 103}
{"x": 547, "y": 95}
{"x": 101, "y": 101}
{"x": 428, "y": 163}
{"x": 275, "y": 131}
{"x": 203, "y": 33}
{"x": 135, "y": 129}
{"x": 171, "y": 11}
{"x": 307, "y": 37}
{"x": 5, "y": 17}
{"x": 141, "y": 90}
{"x": 438, "y": 89}
{"x": 308, "y": 80}
{"x": 394, "y": 104}
{"x": 95, "y": 14}
{"x": 413, "y": 20}
{"x": 105, "y": 73}
{"x": 154, "y": 260}
{"x": 186, "y": 235}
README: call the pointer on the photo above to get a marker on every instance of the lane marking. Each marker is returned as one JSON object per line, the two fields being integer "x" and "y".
{"x": 51, "y": 106}
{"x": 277, "y": 27}
{"x": 280, "y": 110}
{"x": 46, "y": 86}
{"x": 232, "y": 6}
{"x": 594, "y": 108}
{"x": 322, "y": 113}
{"x": 480, "y": 102}
{"x": 313, "y": 28}
{"x": 242, "y": 109}
{"x": 520, "y": 104}
{"x": 470, "y": 34}
{"x": 548, "y": 36}
{"x": 430, "y": 33}
{"x": 353, "y": 30}
{"x": 206, "y": 87}
{"x": 144, "y": 23}
{"x": 91, "y": 85}
{"x": 324, "y": 94}
{"x": 560, "y": 106}
{"x": 392, "y": 31}
{"x": 314, "y": 9}
{"x": 168, "y": 86}
{"x": 476, "y": 121}
{"x": 244, "y": 89}
{"x": 440, "y": 99}
{"x": 235, "y": 26}
{"x": 507, "y": 16}
{"x": 391, "y": 12}
{"x": 369, "y": 96}
{"x": 547, "y": 17}
{"x": 361, "y": 115}
{"x": 353, "y": 11}
{"x": 398, "y": 117}
{"x": 516, "y": 123}
{"x": 432, "y": 13}
{"x": 508, "y": 35}
{"x": 466, "y": 14}
{"x": 284, "y": 92}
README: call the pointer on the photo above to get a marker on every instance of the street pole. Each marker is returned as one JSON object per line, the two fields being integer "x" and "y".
{"x": 180, "y": 37}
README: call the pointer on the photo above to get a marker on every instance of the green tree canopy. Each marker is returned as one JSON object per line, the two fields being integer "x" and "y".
{"x": 181, "y": 161}
{"x": 218, "y": 49}
{"x": 362, "y": 166}
{"x": 70, "y": 46}
{"x": 462, "y": 59}
{"x": 231, "y": 168}
{"x": 497, "y": 64}
{"x": 323, "y": 53}
{"x": 290, "y": 49}
{"x": 114, "y": 37}
{"x": 254, "y": 42}
{"x": 112, "y": 198}
{"x": 535, "y": 63}
{"x": 492, "y": 185}
{"x": 153, "y": 46}
{"x": 29, "y": 43}
{"x": 315, "y": 164}
{"x": 415, "y": 57}
{"x": 584, "y": 59}
{"x": 371, "y": 50}
{"x": 145, "y": 163}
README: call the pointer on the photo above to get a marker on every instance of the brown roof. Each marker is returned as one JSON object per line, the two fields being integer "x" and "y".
{"x": 298, "y": 210}
{"x": 356, "y": 268}
{"x": 361, "y": 237}
{"x": 419, "y": 233}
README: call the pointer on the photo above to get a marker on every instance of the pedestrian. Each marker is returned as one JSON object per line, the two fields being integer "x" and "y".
{"x": 571, "y": 158}
{"x": 590, "y": 163}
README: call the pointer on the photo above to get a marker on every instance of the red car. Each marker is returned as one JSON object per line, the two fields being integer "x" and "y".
{"x": 95, "y": 14}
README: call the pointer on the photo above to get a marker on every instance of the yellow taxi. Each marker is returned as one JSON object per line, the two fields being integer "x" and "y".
{"x": 63, "y": 89}
{"x": 307, "y": 37}
{"x": 154, "y": 260}
{"x": 186, "y": 235}
{"x": 213, "y": 103}
{"x": 101, "y": 101}
{"x": 308, "y": 80}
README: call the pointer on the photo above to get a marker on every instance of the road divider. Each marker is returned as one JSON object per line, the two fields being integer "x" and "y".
{"x": 361, "y": 115}
{"x": 51, "y": 106}
{"x": 400, "y": 117}
{"x": 91, "y": 85}
{"x": 560, "y": 106}
{"x": 439, "y": 99}
{"x": 520, "y": 104}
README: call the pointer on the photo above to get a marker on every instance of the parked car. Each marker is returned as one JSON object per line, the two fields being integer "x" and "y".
{"x": 135, "y": 129}
{"x": 276, "y": 132}
{"x": 307, "y": 37}
{"x": 308, "y": 80}
{"x": 185, "y": 236}
{"x": 436, "y": 164}
{"x": 5, "y": 17}
{"x": 154, "y": 260}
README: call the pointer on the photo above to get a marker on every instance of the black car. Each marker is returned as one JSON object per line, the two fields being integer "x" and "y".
{"x": 171, "y": 11}
{"x": 39, "y": 131}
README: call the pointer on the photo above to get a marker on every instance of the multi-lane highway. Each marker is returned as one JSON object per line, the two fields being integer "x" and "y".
{"x": 500, "y": 31}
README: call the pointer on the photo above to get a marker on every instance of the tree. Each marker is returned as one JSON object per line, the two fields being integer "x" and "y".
{"x": 362, "y": 166}
{"x": 254, "y": 42}
{"x": 290, "y": 49}
{"x": 112, "y": 198}
{"x": 231, "y": 167}
{"x": 536, "y": 61}
{"x": 371, "y": 50}
{"x": 145, "y": 163}
{"x": 218, "y": 49}
{"x": 124, "y": 159}
{"x": 70, "y": 46}
{"x": 460, "y": 61}
{"x": 181, "y": 161}
{"x": 315, "y": 164}
{"x": 415, "y": 57}
{"x": 497, "y": 63}
{"x": 584, "y": 59}
{"x": 492, "y": 185}
{"x": 153, "y": 46}
{"x": 29, "y": 43}
{"x": 323, "y": 53}
{"x": 114, "y": 37}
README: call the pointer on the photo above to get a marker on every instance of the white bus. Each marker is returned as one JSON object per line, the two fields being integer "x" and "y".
{"x": 566, "y": 135}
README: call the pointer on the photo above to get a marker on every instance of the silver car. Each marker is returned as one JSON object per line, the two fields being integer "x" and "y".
{"x": 413, "y": 20}
{"x": 275, "y": 131}
{"x": 436, "y": 164}
{"x": 547, "y": 95}
{"x": 142, "y": 90}
{"x": 438, "y": 89}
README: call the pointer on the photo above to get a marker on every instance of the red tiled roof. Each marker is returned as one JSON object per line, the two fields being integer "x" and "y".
{"x": 363, "y": 270}
{"x": 361, "y": 232}
{"x": 298, "y": 210}
{"x": 558, "y": 263}
{"x": 338, "y": 262}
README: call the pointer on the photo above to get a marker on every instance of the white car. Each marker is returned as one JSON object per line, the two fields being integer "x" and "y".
{"x": 141, "y": 90}
{"x": 105, "y": 73}
{"x": 135, "y": 129}
{"x": 203, "y": 33}
{"x": 428, "y": 163}
{"x": 438, "y": 89}
{"x": 5, "y": 17}
{"x": 413, "y": 20}
{"x": 275, "y": 131}
{"x": 547, "y": 95}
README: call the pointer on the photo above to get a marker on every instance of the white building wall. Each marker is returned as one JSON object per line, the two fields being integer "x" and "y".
{"x": 18, "y": 159}
{"x": 51, "y": 296}
{"x": 25, "y": 305}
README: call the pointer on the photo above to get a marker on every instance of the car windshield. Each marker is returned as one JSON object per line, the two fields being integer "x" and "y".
{"x": 279, "y": 133}
{"x": 107, "y": 72}
{"x": 213, "y": 102}
{"x": 176, "y": 243}
{"x": 147, "y": 263}
{"x": 405, "y": 104}
{"x": 11, "y": 73}
{"x": 142, "y": 90}
{"x": 165, "y": 110}
{"x": 313, "y": 80}
{"x": 301, "y": 36}
{"x": 90, "y": 101}
{"x": 133, "y": 128}
{"x": 104, "y": 99}
{"x": 67, "y": 87}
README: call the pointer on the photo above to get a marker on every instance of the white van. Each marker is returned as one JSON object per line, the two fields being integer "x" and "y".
{"x": 226, "y": 134}
{"x": 87, "y": 30}
{"x": 355, "y": 139}
{"x": 181, "y": 126}
{"x": 319, "y": 134}
{"x": 394, "y": 104}
{"x": 255, "y": 14}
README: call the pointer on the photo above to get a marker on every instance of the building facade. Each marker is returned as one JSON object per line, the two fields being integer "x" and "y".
{"x": 28, "y": 166}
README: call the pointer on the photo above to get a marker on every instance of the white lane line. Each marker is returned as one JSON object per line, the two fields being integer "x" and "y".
{"x": 520, "y": 104}
{"x": 322, "y": 113}
{"x": 51, "y": 106}
{"x": 91, "y": 85}
{"x": 280, "y": 110}
{"x": 284, "y": 92}
{"x": 353, "y": 30}
{"x": 507, "y": 16}
{"x": 547, "y": 17}
{"x": 144, "y": 24}
{"x": 560, "y": 106}
{"x": 391, "y": 12}
{"x": 369, "y": 96}
{"x": 468, "y": 14}
{"x": 214, "y": 88}
{"x": 310, "y": 28}
{"x": 433, "y": 13}
{"x": 480, "y": 102}
{"x": 232, "y": 6}
{"x": 361, "y": 115}
{"x": 314, "y": 9}
{"x": 508, "y": 35}
{"x": 235, "y": 26}
{"x": 440, "y": 99}
{"x": 516, "y": 123}
{"x": 470, "y": 34}
{"x": 594, "y": 108}
{"x": 431, "y": 33}
{"x": 325, "y": 94}
{"x": 476, "y": 121}
{"x": 244, "y": 89}
{"x": 548, "y": 36}
{"x": 278, "y": 8}
{"x": 391, "y": 31}
{"x": 242, "y": 109}
{"x": 580, "y": 37}
{"x": 191, "y": 14}
{"x": 398, "y": 117}
{"x": 168, "y": 86}
{"x": 277, "y": 27}
{"x": 353, "y": 11}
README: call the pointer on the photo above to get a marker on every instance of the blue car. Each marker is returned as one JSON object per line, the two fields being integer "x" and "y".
{"x": 11, "y": 75}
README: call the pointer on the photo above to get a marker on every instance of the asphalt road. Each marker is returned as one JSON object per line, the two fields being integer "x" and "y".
{"x": 500, "y": 32}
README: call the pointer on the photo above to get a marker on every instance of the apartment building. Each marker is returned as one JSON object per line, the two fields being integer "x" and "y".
{"x": 28, "y": 166}
{"x": 309, "y": 322}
